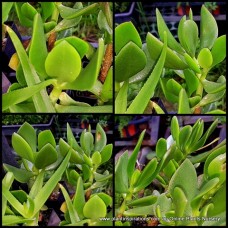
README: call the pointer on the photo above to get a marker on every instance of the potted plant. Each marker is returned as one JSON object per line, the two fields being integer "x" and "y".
{"x": 213, "y": 7}
{"x": 155, "y": 192}
{"x": 183, "y": 10}
{"x": 48, "y": 168}
{"x": 192, "y": 91}
{"x": 42, "y": 72}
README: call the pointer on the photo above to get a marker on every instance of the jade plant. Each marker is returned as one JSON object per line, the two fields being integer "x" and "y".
{"x": 60, "y": 64}
{"x": 44, "y": 163}
{"x": 191, "y": 59}
{"x": 171, "y": 187}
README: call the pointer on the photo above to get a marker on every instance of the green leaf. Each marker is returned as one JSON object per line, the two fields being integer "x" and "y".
{"x": 184, "y": 136}
{"x": 46, "y": 156}
{"x": 47, "y": 189}
{"x": 161, "y": 148}
{"x": 192, "y": 63}
{"x": 121, "y": 177}
{"x": 180, "y": 201}
{"x": 139, "y": 211}
{"x": 121, "y": 98}
{"x": 80, "y": 45}
{"x": 20, "y": 175}
{"x": 22, "y": 148}
{"x": 210, "y": 98}
{"x": 125, "y": 33}
{"x": 147, "y": 175}
{"x": 132, "y": 159}
{"x": 41, "y": 100}
{"x": 189, "y": 37}
{"x": 168, "y": 95}
{"x": 202, "y": 141}
{"x": 171, "y": 41}
{"x": 170, "y": 169}
{"x": 173, "y": 87}
{"x": 106, "y": 153}
{"x": 141, "y": 100}
{"x": 136, "y": 62}
{"x": 155, "y": 46}
{"x": 25, "y": 21}
{"x": 100, "y": 138}
{"x": 47, "y": 9}
{"x": 86, "y": 141}
{"x": 29, "y": 134}
{"x": 20, "y": 95}
{"x": 103, "y": 23}
{"x": 95, "y": 208}
{"x": 8, "y": 220}
{"x": 175, "y": 130}
{"x": 207, "y": 187}
{"x": 107, "y": 89}
{"x": 215, "y": 87}
{"x": 28, "y": 11}
{"x": 38, "y": 45}
{"x": 37, "y": 185}
{"x": 63, "y": 63}
{"x": 205, "y": 58}
{"x": 96, "y": 158}
{"x": 218, "y": 50}
{"x": 79, "y": 198}
{"x": 144, "y": 201}
{"x": 45, "y": 137}
{"x": 192, "y": 81}
{"x": 207, "y": 37}
{"x": 72, "y": 140}
{"x": 72, "y": 211}
{"x": 89, "y": 74}
{"x": 86, "y": 172}
{"x": 188, "y": 185}
{"x": 6, "y": 7}
{"x": 183, "y": 103}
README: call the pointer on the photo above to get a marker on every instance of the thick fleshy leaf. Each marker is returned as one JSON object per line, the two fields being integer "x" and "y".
{"x": 192, "y": 81}
{"x": 121, "y": 177}
{"x": 172, "y": 43}
{"x": 79, "y": 198}
{"x": 103, "y": 23}
{"x": 45, "y": 137}
{"x": 155, "y": 47}
{"x": 173, "y": 87}
{"x": 38, "y": 45}
{"x": 218, "y": 50}
{"x": 47, "y": 9}
{"x": 136, "y": 61}
{"x": 175, "y": 130}
{"x": 192, "y": 63}
{"x": 20, "y": 175}
{"x": 100, "y": 138}
{"x": 96, "y": 158}
{"x": 140, "y": 102}
{"x": 63, "y": 63}
{"x": 89, "y": 74}
{"x": 168, "y": 95}
{"x": 215, "y": 87}
{"x": 80, "y": 45}
{"x": 180, "y": 201}
{"x": 144, "y": 201}
{"x": 41, "y": 100}
{"x": 188, "y": 185}
{"x": 105, "y": 197}
{"x": 46, "y": 156}
{"x": 11, "y": 220}
{"x": 190, "y": 37}
{"x": 29, "y": 134}
{"x": 49, "y": 186}
{"x": 121, "y": 98}
{"x": 161, "y": 148}
{"x": 147, "y": 175}
{"x": 125, "y": 33}
{"x": 95, "y": 208}
{"x": 25, "y": 21}
{"x": 205, "y": 58}
{"x": 22, "y": 148}
{"x": 86, "y": 142}
{"x": 132, "y": 159}
{"x": 6, "y": 7}
{"x": 28, "y": 11}
{"x": 106, "y": 153}
{"x": 183, "y": 103}
{"x": 184, "y": 135}
{"x": 207, "y": 37}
